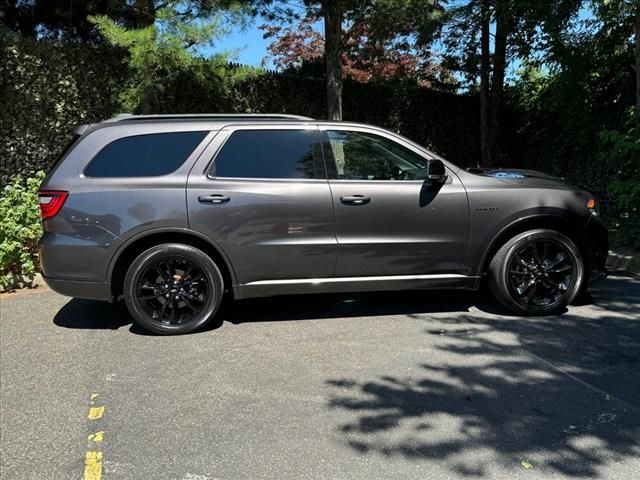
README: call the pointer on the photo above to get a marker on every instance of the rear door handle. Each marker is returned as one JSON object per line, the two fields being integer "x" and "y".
{"x": 355, "y": 200}
{"x": 215, "y": 198}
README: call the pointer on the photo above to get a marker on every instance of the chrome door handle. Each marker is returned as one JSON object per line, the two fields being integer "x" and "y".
{"x": 355, "y": 200}
{"x": 216, "y": 198}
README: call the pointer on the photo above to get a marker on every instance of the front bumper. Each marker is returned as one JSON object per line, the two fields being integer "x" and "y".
{"x": 595, "y": 240}
{"x": 80, "y": 289}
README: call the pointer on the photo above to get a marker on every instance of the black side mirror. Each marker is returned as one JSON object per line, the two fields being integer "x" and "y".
{"x": 436, "y": 171}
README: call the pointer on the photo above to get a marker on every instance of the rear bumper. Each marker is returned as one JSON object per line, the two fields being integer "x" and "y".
{"x": 595, "y": 239}
{"x": 80, "y": 289}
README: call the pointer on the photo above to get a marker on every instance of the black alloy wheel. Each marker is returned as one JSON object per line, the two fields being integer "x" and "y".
{"x": 537, "y": 272}
{"x": 540, "y": 273}
{"x": 173, "y": 291}
{"x": 173, "y": 288}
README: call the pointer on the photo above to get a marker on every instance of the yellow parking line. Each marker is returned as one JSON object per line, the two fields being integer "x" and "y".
{"x": 97, "y": 437}
{"x": 94, "y": 455}
{"x": 93, "y": 466}
{"x": 95, "y": 413}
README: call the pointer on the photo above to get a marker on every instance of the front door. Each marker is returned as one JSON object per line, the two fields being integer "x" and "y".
{"x": 266, "y": 202}
{"x": 389, "y": 219}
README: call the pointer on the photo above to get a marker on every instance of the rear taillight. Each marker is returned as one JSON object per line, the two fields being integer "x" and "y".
{"x": 51, "y": 202}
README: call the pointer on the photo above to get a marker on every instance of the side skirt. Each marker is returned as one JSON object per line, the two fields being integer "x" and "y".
{"x": 268, "y": 288}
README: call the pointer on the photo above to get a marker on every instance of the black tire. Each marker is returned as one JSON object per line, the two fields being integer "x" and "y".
{"x": 538, "y": 272}
{"x": 173, "y": 289}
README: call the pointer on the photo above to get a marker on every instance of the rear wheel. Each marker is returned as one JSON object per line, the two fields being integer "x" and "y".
{"x": 173, "y": 289}
{"x": 537, "y": 272}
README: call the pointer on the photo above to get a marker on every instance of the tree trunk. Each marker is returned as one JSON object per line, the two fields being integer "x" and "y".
{"x": 485, "y": 66}
{"x": 637, "y": 45}
{"x": 497, "y": 80}
{"x": 333, "y": 57}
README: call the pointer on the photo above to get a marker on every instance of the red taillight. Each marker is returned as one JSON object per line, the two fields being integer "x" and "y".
{"x": 51, "y": 202}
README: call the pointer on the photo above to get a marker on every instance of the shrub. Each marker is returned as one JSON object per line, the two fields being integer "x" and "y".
{"x": 20, "y": 228}
{"x": 622, "y": 149}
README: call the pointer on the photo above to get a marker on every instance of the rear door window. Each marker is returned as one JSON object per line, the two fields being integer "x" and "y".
{"x": 270, "y": 154}
{"x": 149, "y": 155}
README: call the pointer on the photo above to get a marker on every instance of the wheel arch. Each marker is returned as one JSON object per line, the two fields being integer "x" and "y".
{"x": 567, "y": 225}
{"x": 136, "y": 245}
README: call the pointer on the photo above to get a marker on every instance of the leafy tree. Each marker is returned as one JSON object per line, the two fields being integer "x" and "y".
{"x": 366, "y": 56}
{"x": 69, "y": 19}
{"x": 62, "y": 19}
{"x": 384, "y": 20}
{"x": 621, "y": 149}
{"x": 519, "y": 29}
{"x": 166, "y": 49}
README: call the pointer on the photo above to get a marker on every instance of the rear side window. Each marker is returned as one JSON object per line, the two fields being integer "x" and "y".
{"x": 144, "y": 155}
{"x": 270, "y": 154}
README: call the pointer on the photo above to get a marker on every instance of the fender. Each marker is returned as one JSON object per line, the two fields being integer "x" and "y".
{"x": 564, "y": 221}
{"x": 180, "y": 230}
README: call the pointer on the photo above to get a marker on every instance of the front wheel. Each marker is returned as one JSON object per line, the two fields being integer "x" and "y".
{"x": 172, "y": 289}
{"x": 537, "y": 272}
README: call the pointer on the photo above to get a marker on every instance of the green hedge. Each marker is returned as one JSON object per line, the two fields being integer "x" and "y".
{"x": 46, "y": 89}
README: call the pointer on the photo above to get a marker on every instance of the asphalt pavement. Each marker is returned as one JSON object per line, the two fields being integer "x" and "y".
{"x": 417, "y": 385}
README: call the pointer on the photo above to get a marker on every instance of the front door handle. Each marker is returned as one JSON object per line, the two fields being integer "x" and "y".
{"x": 355, "y": 200}
{"x": 215, "y": 198}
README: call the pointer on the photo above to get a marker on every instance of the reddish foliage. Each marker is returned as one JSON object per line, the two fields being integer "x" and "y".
{"x": 365, "y": 57}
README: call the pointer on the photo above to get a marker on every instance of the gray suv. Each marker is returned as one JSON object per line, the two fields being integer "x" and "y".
{"x": 175, "y": 212}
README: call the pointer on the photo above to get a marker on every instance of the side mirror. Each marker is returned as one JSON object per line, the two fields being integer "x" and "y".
{"x": 436, "y": 172}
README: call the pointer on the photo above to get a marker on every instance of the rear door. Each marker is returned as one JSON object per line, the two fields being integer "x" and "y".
{"x": 389, "y": 219}
{"x": 261, "y": 193}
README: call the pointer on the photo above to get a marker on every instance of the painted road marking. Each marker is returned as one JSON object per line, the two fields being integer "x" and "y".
{"x": 93, "y": 466}
{"x": 97, "y": 437}
{"x": 96, "y": 413}
{"x": 93, "y": 457}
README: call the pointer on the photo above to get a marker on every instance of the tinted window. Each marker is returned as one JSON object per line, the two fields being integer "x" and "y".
{"x": 144, "y": 155}
{"x": 364, "y": 156}
{"x": 270, "y": 154}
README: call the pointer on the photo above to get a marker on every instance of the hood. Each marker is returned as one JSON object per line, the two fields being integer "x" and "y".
{"x": 516, "y": 176}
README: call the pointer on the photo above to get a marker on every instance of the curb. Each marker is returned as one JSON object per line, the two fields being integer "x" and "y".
{"x": 624, "y": 263}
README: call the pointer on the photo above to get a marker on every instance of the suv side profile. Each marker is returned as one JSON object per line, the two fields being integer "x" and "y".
{"x": 172, "y": 212}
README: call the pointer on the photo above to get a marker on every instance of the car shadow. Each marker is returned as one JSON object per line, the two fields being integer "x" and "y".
{"x": 88, "y": 314}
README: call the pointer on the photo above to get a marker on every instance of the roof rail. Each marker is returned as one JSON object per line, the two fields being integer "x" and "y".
{"x": 126, "y": 117}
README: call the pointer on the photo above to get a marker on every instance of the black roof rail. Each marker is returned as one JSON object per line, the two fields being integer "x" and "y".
{"x": 126, "y": 117}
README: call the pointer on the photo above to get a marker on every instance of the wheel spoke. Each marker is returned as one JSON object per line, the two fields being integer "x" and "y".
{"x": 188, "y": 271}
{"x": 146, "y": 298}
{"x": 195, "y": 279}
{"x": 522, "y": 290}
{"x": 162, "y": 310}
{"x": 560, "y": 269}
{"x": 557, "y": 261}
{"x": 158, "y": 269}
{"x": 192, "y": 297}
{"x": 188, "y": 303}
{"x": 532, "y": 291}
{"x": 174, "y": 310}
{"x": 549, "y": 286}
